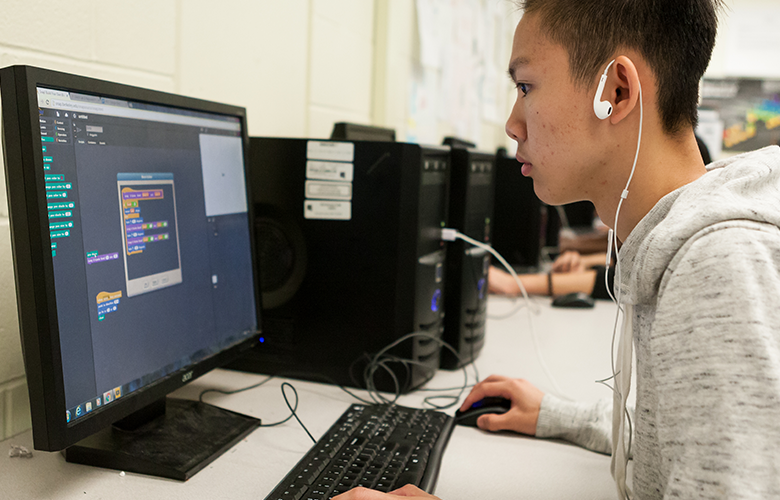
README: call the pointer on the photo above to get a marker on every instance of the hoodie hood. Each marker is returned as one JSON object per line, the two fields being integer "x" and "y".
{"x": 743, "y": 187}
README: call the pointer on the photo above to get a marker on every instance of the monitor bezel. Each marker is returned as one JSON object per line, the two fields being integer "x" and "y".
{"x": 32, "y": 257}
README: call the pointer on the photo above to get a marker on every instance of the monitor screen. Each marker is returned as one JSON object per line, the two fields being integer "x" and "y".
{"x": 147, "y": 212}
{"x": 132, "y": 242}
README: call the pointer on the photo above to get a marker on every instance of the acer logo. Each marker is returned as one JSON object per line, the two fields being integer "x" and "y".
{"x": 187, "y": 376}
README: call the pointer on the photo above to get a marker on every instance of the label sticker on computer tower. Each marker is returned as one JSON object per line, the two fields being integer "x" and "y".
{"x": 329, "y": 210}
{"x": 324, "y": 190}
{"x": 330, "y": 171}
{"x": 330, "y": 151}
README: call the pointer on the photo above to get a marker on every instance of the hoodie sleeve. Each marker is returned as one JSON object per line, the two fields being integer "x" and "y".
{"x": 716, "y": 365}
{"x": 586, "y": 425}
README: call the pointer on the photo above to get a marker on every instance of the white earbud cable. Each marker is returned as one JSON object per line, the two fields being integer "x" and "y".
{"x": 622, "y": 378}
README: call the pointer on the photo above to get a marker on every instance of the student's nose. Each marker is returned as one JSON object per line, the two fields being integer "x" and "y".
{"x": 515, "y": 124}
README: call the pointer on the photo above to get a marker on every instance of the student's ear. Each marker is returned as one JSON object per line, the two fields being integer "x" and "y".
{"x": 625, "y": 88}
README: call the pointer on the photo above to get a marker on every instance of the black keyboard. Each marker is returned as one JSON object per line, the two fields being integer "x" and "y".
{"x": 382, "y": 447}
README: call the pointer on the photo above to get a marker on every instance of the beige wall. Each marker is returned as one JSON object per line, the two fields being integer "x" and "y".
{"x": 748, "y": 44}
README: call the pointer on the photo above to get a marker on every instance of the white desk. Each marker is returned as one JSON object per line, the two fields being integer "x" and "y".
{"x": 574, "y": 344}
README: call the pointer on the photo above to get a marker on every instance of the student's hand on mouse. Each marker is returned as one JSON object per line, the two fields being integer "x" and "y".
{"x": 408, "y": 491}
{"x": 568, "y": 262}
{"x": 526, "y": 400}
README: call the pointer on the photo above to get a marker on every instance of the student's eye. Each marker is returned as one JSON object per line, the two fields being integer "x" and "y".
{"x": 522, "y": 87}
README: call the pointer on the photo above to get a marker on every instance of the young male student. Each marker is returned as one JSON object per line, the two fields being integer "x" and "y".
{"x": 700, "y": 262}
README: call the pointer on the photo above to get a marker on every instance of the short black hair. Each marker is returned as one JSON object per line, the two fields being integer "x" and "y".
{"x": 676, "y": 38}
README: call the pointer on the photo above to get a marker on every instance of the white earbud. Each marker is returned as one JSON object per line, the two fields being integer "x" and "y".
{"x": 602, "y": 108}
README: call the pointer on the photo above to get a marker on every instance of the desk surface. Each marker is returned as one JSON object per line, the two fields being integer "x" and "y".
{"x": 569, "y": 351}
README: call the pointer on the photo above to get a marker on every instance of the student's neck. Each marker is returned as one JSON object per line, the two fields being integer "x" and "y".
{"x": 664, "y": 165}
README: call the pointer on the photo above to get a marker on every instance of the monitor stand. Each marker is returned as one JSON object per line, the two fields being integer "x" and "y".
{"x": 173, "y": 438}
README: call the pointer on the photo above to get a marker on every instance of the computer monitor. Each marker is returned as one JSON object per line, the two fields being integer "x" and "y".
{"x": 132, "y": 240}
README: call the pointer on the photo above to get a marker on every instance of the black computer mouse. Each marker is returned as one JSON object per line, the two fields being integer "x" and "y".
{"x": 488, "y": 405}
{"x": 574, "y": 299}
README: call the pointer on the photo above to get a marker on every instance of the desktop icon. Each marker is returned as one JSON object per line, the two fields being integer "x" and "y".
{"x": 97, "y": 402}
{"x": 108, "y": 397}
{"x": 67, "y": 415}
{"x": 88, "y": 406}
{"x": 78, "y": 411}
{"x": 117, "y": 392}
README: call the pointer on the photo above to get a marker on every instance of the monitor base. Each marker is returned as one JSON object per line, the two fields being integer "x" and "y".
{"x": 176, "y": 445}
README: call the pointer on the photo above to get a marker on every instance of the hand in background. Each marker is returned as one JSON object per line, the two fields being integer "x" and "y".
{"x": 526, "y": 401}
{"x": 408, "y": 491}
{"x": 569, "y": 262}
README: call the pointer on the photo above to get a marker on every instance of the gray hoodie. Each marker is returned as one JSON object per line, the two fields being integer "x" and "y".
{"x": 701, "y": 286}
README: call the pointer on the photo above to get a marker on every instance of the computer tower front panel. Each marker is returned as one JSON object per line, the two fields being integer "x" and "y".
{"x": 431, "y": 259}
{"x": 338, "y": 231}
{"x": 471, "y": 211}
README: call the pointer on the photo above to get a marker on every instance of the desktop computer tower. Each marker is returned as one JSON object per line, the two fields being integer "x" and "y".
{"x": 350, "y": 258}
{"x": 517, "y": 218}
{"x": 472, "y": 175}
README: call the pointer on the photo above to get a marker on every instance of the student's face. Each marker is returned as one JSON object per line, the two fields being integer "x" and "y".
{"x": 552, "y": 119}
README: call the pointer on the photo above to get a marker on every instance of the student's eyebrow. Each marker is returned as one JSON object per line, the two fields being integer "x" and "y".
{"x": 513, "y": 65}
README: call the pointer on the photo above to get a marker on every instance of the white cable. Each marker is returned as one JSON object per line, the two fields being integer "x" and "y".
{"x": 612, "y": 239}
{"x": 497, "y": 255}
{"x": 449, "y": 234}
{"x": 622, "y": 383}
{"x": 452, "y": 234}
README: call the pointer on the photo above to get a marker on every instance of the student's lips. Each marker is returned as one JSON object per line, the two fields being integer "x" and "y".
{"x": 525, "y": 169}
